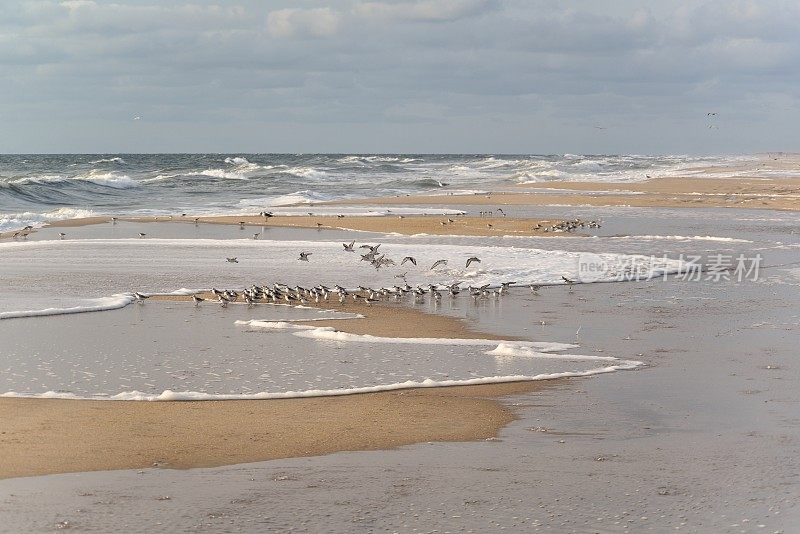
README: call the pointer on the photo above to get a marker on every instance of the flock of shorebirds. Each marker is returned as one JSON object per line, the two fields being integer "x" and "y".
{"x": 280, "y": 293}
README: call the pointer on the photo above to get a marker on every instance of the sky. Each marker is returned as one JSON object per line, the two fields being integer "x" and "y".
{"x": 447, "y": 76}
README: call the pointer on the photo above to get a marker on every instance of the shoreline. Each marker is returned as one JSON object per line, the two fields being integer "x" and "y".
{"x": 63, "y": 436}
{"x": 40, "y": 436}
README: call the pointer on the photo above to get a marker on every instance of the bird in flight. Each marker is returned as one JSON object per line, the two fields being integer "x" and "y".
{"x": 137, "y": 118}
{"x": 411, "y": 259}
{"x": 349, "y": 248}
{"x": 304, "y": 256}
{"x": 471, "y": 260}
{"x": 232, "y": 260}
{"x": 438, "y": 263}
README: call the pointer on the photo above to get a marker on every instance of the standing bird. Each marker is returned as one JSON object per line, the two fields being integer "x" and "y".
{"x": 61, "y": 235}
{"x": 222, "y": 301}
{"x": 142, "y": 234}
{"x": 409, "y": 258}
{"x": 255, "y": 236}
{"x": 471, "y": 260}
{"x": 197, "y": 300}
{"x": 140, "y": 298}
{"x": 349, "y": 248}
{"x": 304, "y": 256}
{"x": 568, "y": 282}
{"x": 438, "y": 263}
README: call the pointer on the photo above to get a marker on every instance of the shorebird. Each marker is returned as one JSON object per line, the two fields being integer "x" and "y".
{"x": 140, "y": 298}
{"x": 241, "y": 225}
{"x": 408, "y": 258}
{"x": 232, "y": 260}
{"x": 255, "y": 235}
{"x": 568, "y": 282}
{"x": 471, "y": 260}
{"x": 437, "y": 263}
{"x": 113, "y": 220}
{"x": 349, "y": 248}
{"x": 304, "y": 256}
{"x": 535, "y": 288}
{"x": 197, "y": 300}
{"x": 62, "y": 235}
{"x": 222, "y": 301}
{"x": 142, "y": 234}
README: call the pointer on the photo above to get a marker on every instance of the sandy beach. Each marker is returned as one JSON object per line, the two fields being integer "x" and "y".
{"x": 45, "y": 436}
{"x": 597, "y": 424}
{"x": 749, "y": 193}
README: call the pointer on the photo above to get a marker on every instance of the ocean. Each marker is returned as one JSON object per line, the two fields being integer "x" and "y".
{"x": 37, "y": 189}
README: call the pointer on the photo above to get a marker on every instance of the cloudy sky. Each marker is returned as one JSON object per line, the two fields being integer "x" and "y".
{"x": 514, "y": 76}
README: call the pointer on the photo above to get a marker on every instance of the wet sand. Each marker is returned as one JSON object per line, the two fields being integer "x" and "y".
{"x": 381, "y": 319}
{"x": 44, "y": 436}
{"x": 404, "y": 225}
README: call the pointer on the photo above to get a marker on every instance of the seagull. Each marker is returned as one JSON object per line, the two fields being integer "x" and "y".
{"x": 438, "y": 263}
{"x": 408, "y": 258}
{"x": 62, "y": 235}
{"x": 142, "y": 234}
{"x": 232, "y": 260}
{"x": 349, "y": 248}
{"x": 473, "y": 259}
{"x": 197, "y": 300}
{"x": 304, "y": 256}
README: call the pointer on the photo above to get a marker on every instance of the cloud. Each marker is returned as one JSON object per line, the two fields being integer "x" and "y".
{"x": 317, "y": 22}
{"x": 423, "y": 11}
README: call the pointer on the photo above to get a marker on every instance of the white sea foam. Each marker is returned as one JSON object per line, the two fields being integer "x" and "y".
{"x": 169, "y": 395}
{"x": 224, "y": 174}
{"x": 107, "y": 160}
{"x": 106, "y": 179}
{"x": 114, "y": 302}
{"x": 678, "y": 238}
{"x": 16, "y": 221}
{"x": 237, "y": 161}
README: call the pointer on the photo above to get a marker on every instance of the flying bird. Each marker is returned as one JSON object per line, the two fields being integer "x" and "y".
{"x": 411, "y": 259}
{"x": 255, "y": 236}
{"x": 349, "y": 248}
{"x": 304, "y": 256}
{"x": 471, "y": 260}
{"x": 142, "y": 234}
{"x": 137, "y": 118}
{"x": 232, "y": 260}
{"x": 438, "y": 263}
